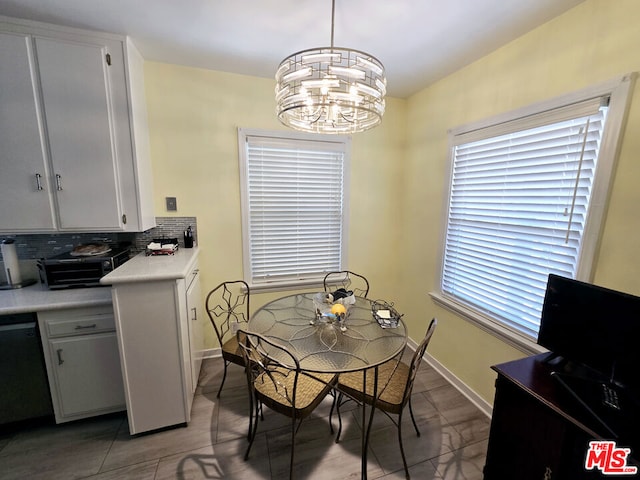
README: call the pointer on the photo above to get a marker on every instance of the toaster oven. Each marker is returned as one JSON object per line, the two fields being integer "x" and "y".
{"x": 68, "y": 271}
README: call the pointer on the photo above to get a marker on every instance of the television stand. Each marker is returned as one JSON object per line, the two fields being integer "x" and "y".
{"x": 539, "y": 431}
{"x": 566, "y": 381}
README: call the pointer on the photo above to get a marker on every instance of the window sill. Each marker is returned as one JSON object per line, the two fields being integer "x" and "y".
{"x": 507, "y": 335}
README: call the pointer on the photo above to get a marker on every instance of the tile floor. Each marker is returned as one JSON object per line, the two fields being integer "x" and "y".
{"x": 452, "y": 445}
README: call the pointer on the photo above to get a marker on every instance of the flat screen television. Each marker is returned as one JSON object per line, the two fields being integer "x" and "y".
{"x": 593, "y": 326}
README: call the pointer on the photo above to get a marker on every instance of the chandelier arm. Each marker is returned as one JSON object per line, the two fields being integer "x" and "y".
{"x": 345, "y": 118}
{"x": 315, "y": 116}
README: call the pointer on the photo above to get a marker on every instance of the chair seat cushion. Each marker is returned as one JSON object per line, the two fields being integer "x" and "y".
{"x": 392, "y": 381}
{"x": 275, "y": 389}
{"x": 232, "y": 352}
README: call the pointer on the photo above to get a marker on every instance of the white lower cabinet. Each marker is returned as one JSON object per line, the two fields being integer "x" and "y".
{"x": 83, "y": 365}
{"x": 196, "y": 323}
{"x": 159, "y": 323}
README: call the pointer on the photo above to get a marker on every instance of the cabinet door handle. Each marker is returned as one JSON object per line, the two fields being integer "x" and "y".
{"x": 38, "y": 182}
{"x": 60, "y": 359}
{"x": 59, "y": 182}
{"x": 195, "y": 314}
{"x": 82, "y": 327}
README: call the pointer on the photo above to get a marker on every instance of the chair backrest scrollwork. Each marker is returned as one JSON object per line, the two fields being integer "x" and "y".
{"x": 226, "y": 304}
{"x": 348, "y": 280}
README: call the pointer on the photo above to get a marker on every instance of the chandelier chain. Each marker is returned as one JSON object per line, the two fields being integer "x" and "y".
{"x": 333, "y": 18}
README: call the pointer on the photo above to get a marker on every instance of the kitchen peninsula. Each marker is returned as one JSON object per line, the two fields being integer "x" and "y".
{"x": 160, "y": 328}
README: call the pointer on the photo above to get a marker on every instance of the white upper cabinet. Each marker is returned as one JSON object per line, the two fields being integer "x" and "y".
{"x": 24, "y": 170}
{"x": 75, "y": 153}
{"x": 81, "y": 141}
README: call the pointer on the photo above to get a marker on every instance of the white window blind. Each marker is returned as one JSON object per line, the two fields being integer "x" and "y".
{"x": 293, "y": 204}
{"x": 519, "y": 200}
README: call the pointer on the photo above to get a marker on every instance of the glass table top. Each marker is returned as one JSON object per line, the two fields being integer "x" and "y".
{"x": 324, "y": 347}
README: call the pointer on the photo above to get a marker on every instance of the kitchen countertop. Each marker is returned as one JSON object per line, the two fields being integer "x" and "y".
{"x": 142, "y": 268}
{"x": 37, "y": 298}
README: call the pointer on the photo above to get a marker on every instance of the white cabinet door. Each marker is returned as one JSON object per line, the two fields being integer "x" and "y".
{"x": 196, "y": 319}
{"x": 25, "y": 194}
{"x": 149, "y": 321}
{"x": 87, "y": 373}
{"x": 76, "y": 97}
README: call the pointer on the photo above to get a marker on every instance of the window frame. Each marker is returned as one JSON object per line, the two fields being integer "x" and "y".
{"x": 282, "y": 135}
{"x": 619, "y": 92}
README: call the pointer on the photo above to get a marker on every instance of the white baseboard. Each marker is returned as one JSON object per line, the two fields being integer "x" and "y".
{"x": 212, "y": 353}
{"x": 462, "y": 387}
{"x": 484, "y": 406}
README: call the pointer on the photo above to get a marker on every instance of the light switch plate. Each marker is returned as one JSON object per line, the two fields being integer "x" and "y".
{"x": 172, "y": 204}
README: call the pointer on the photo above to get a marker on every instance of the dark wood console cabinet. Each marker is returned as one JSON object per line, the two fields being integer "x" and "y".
{"x": 538, "y": 431}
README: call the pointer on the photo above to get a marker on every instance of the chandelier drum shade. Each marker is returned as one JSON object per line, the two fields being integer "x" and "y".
{"x": 330, "y": 90}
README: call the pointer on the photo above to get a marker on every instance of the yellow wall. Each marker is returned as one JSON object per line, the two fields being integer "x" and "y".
{"x": 398, "y": 169}
{"x": 592, "y": 43}
{"x": 194, "y": 115}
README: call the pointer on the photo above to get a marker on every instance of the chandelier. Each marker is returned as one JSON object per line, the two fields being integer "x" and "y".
{"x": 330, "y": 89}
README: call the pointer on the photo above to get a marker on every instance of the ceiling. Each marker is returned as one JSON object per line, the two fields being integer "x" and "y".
{"x": 418, "y": 41}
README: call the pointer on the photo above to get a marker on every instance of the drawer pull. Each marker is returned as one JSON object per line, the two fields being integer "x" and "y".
{"x": 84, "y": 327}
{"x": 39, "y": 182}
{"x": 60, "y": 360}
{"x": 195, "y": 314}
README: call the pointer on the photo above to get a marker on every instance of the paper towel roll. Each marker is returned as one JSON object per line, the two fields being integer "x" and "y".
{"x": 10, "y": 259}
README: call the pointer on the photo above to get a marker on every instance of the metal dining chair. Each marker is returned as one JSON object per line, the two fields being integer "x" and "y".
{"x": 348, "y": 280}
{"x": 275, "y": 379}
{"x": 396, "y": 380}
{"x": 228, "y": 309}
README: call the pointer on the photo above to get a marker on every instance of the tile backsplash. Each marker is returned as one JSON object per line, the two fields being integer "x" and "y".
{"x": 34, "y": 246}
{"x": 166, "y": 227}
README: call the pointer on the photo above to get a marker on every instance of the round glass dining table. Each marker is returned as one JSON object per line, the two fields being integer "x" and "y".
{"x": 325, "y": 347}
{"x": 362, "y": 345}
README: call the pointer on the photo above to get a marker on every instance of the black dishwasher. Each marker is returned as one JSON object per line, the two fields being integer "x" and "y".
{"x": 24, "y": 389}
